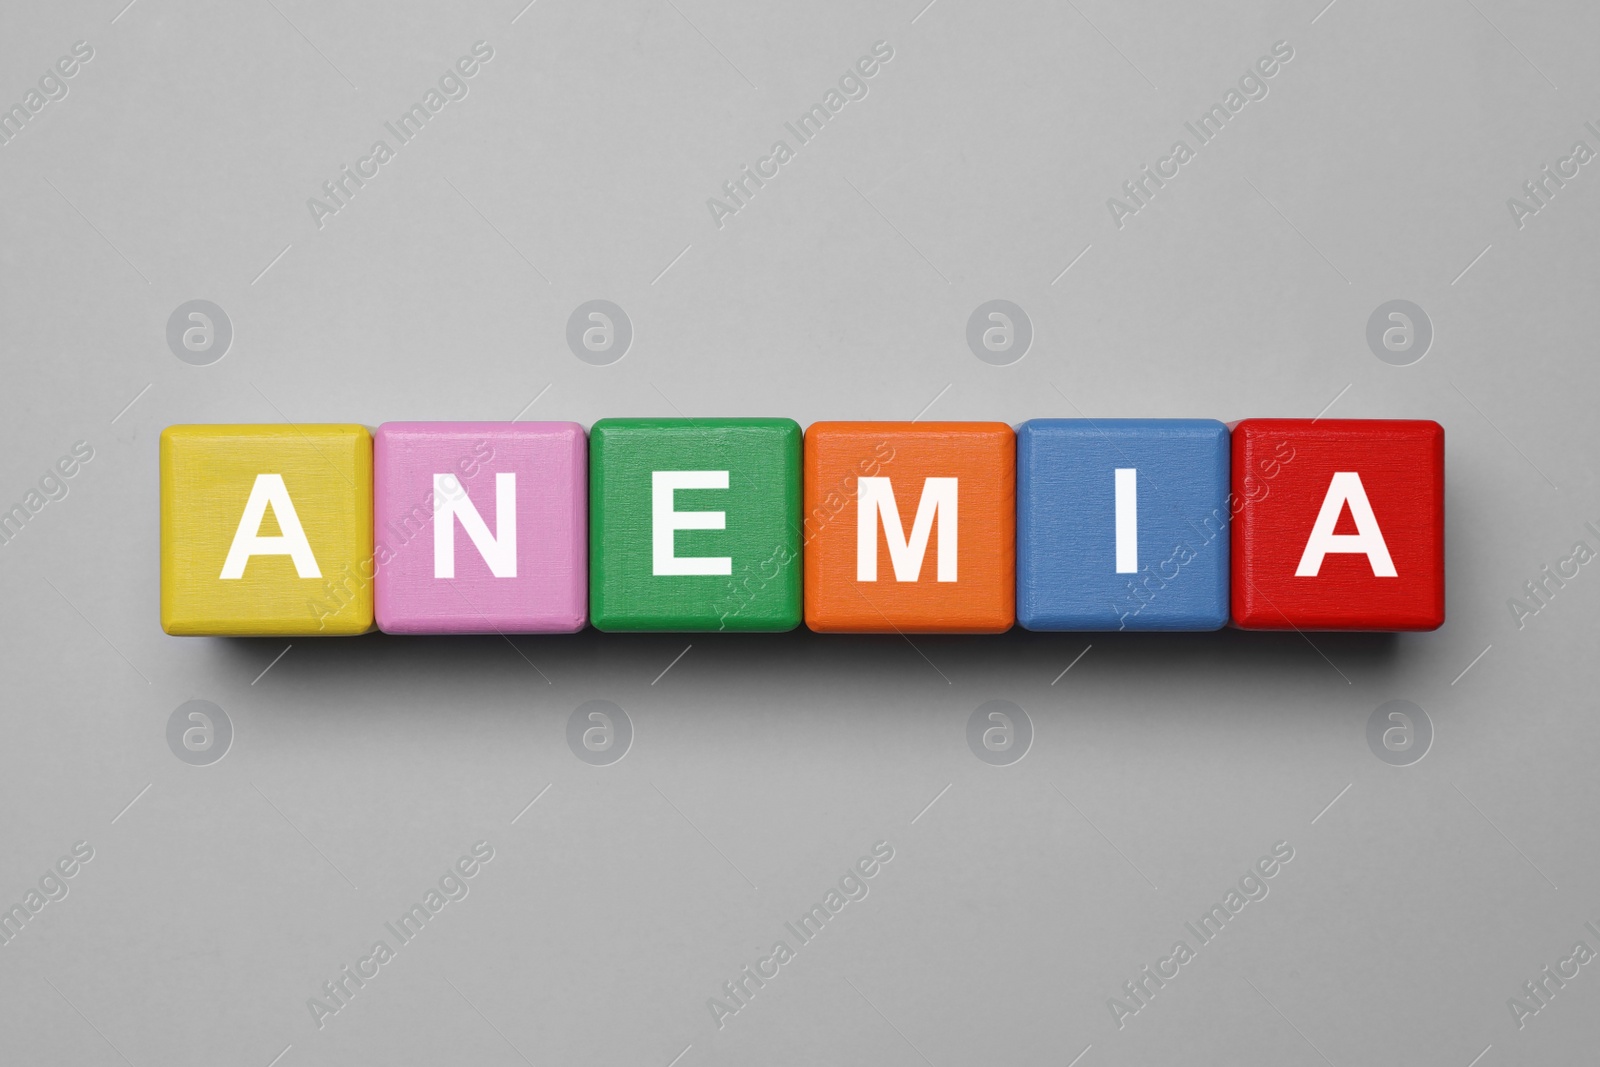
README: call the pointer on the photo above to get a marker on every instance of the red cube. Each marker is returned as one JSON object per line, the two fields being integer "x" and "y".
{"x": 1338, "y": 524}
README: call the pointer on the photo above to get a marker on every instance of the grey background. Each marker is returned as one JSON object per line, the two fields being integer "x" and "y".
{"x": 977, "y": 168}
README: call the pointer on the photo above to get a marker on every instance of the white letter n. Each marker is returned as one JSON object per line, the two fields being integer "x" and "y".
{"x": 450, "y": 502}
{"x": 247, "y": 539}
{"x": 875, "y": 496}
{"x": 1346, "y": 488}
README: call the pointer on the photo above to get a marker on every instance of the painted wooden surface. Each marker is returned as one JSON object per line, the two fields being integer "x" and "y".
{"x": 1122, "y": 524}
{"x": 209, "y": 474}
{"x": 980, "y": 457}
{"x": 755, "y": 543}
{"x": 542, "y": 585}
{"x": 1283, "y": 471}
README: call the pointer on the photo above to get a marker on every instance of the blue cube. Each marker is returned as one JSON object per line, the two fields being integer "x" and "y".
{"x": 1122, "y": 524}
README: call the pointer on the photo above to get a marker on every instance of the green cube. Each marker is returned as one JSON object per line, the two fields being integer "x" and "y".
{"x": 694, "y": 524}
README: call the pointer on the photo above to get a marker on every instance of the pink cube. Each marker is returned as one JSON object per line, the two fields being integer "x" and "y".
{"x": 481, "y": 527}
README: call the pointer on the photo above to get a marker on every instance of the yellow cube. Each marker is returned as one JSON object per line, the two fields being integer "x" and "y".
{"x": 266, "y": 531}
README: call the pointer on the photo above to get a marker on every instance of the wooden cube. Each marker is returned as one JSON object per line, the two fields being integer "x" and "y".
{"x": 694, "y": 524}
{"x": 884, "y": 497}
{"x": 266, "y": 530}
{"x": 1338, "y": 524}
{"x": 1122, "y": 524}
{"x": 481, "y": 527}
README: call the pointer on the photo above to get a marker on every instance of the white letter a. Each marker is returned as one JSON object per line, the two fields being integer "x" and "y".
{"x": 247, "y": 539}
{"x": 1367, "y": 540}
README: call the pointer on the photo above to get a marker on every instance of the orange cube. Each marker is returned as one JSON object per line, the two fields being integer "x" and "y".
{"x": 881, "y": 498}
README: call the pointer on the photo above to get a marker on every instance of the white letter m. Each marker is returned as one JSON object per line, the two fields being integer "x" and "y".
{"x": 875, "y": 496}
